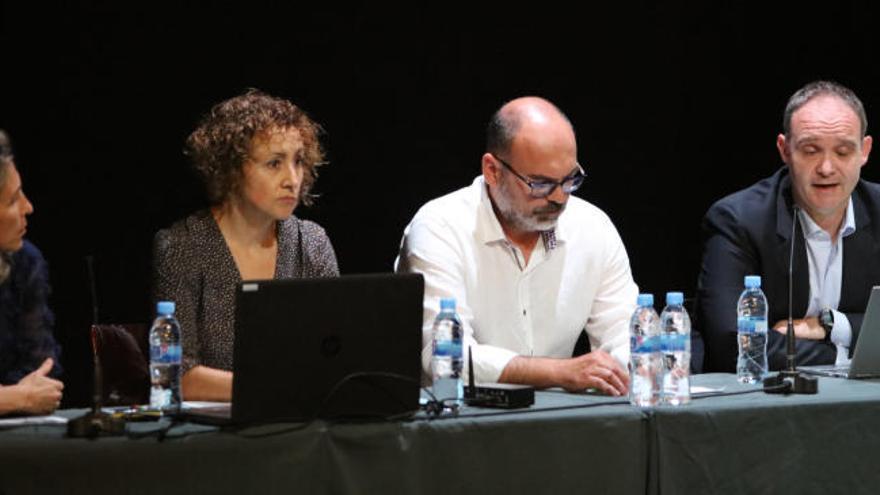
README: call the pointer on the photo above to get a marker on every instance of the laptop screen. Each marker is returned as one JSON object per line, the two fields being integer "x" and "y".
{"x": 346, "y": 347}
{"x": 866, "y": 355}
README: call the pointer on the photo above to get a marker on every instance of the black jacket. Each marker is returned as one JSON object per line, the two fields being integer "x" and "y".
{"x": 748, "y": 233}
{"x": 26, "y": 322}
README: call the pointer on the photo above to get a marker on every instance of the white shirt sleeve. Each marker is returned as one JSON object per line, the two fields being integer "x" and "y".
{"x": 615, "y": 301}
{"x": 841, "y": 337}
{"x": 427, "y": 249}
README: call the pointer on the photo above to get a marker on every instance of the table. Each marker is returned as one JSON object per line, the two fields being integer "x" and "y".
{"x": 567, "y": 443}
{"x": 765, "y": 443}
{"x": 557, "y": 448}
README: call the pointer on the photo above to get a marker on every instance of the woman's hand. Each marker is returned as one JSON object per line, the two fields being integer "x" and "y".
{"x": 40, "y": 394}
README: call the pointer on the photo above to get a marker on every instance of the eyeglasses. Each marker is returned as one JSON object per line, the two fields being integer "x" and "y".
{"x": 544, "y": 188}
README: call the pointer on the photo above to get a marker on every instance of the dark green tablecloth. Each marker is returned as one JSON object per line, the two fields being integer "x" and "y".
{"x": 752, "y": 443}
{"x": 760, "y": 443}
{"x": 537, "y": 451}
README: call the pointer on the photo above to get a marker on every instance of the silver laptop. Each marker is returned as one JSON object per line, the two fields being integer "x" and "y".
{"x": 866, "y": 357}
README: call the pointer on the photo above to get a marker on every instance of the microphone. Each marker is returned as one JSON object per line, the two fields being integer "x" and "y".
{"x": 94, "y": 334}
{"x": 790, "y": 380}
{"x": 790, "y": 351}
{"x": 95, "y": 422}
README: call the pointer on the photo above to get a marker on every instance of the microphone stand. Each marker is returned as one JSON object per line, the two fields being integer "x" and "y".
{"x": 790, "y": 380}
{"x": 95, "y": 422}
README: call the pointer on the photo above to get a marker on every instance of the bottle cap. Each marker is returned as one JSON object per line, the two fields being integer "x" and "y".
{"x": 674, "y": 298}
{"x": 447, "y": 303}
{"x": 165, "y": 308}
{"x": 753, "y": 281}
{"x": 645, "y": 300}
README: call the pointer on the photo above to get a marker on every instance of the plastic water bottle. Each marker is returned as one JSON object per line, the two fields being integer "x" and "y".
{"x": 446, "y": 361}
{"x": 165, "y": 359}
{"x": 645, "y": 368}
{"x": 675, "y": 344}
{"x": 751, "y": 328}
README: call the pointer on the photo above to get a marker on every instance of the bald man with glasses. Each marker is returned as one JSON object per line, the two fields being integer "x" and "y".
{"x": 530, "y": 267}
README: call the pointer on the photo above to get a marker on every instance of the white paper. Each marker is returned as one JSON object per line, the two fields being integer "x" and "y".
{"x": 194, "y": 404}
{"x": 33, "y": 421}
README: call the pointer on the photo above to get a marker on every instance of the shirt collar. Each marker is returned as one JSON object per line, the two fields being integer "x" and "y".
{"x": 489, "y": 228}
{"x": 812, "y": 229}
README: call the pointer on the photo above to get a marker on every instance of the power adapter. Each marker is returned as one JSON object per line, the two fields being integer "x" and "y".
{"x": 500, "y": 395}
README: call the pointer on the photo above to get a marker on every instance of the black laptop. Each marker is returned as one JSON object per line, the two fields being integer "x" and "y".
{"x": 866, "y": 355}
{"x": 334, "y": 348}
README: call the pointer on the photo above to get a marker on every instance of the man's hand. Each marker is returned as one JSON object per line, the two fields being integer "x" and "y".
{"x": 806, "y": 328}
{"x": 41, "y": 394}
{"x": 596, "y": 370}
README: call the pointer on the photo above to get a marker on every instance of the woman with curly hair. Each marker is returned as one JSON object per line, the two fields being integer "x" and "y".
{"x": 28, "y": 351}
{"x": 257, "y": 156}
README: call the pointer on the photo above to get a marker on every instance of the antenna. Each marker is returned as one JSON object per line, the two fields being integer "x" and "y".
{"x": 470, "y": 390}
{"x": 503, "y": 395}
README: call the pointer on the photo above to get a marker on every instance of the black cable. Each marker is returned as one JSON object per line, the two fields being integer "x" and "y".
{"x": 534, "y": 410}
{"x": 360, "y": 374}
{"x": 740, "y": 392}
{"x": 305, "y": 422}
{"x": 434, "y": 408}
{"x": 590, "y": 405}
{"x": 160, "y": 433}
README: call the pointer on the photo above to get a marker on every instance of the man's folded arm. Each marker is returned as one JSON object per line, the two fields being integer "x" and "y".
{"x": 728, "y": 257}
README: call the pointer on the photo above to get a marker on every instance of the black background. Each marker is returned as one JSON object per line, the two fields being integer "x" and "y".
{"x": 675, "y": 105}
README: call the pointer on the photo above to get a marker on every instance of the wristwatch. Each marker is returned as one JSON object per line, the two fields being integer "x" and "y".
{"x": 826, "y": 319}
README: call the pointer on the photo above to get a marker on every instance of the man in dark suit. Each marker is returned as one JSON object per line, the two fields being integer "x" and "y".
{"x": 837, "y": 237}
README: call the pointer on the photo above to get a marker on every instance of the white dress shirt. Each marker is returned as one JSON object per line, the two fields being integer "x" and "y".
{"x": 825, "y": 260}
{"x": 507, "y": 309}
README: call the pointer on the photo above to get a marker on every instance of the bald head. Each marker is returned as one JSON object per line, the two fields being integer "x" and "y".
{"x": 526, "y": 117}
{"x": 530, "y": 143}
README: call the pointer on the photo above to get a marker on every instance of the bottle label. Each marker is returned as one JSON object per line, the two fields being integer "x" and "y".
{"x": 640, "y": 344}
{"x": 751, "y": 324}
{"x": 165, "y": 353}
{"x": 447, "y": 348}
{"x": 160, "y": 398}
{"x": 673, "y": 342}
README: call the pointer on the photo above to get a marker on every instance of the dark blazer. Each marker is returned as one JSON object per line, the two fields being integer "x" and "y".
{"x": 748, "y": 233}
{"x": 26, "y": 337}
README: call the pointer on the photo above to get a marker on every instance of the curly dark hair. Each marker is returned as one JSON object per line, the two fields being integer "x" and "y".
{"x": 220, "y": 145}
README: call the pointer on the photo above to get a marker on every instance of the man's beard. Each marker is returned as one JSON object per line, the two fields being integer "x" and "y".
{"x": 537, "y": 220}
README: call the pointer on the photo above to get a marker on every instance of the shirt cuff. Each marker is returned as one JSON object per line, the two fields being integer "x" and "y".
{"x": 841, "y": 337}
{"x": 491, "y": 362}
{"x": 621, "y": 354}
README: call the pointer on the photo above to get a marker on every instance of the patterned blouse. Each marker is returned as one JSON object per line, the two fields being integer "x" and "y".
{"x": 193, "y": 267}
{"x": 25, "y": 318}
